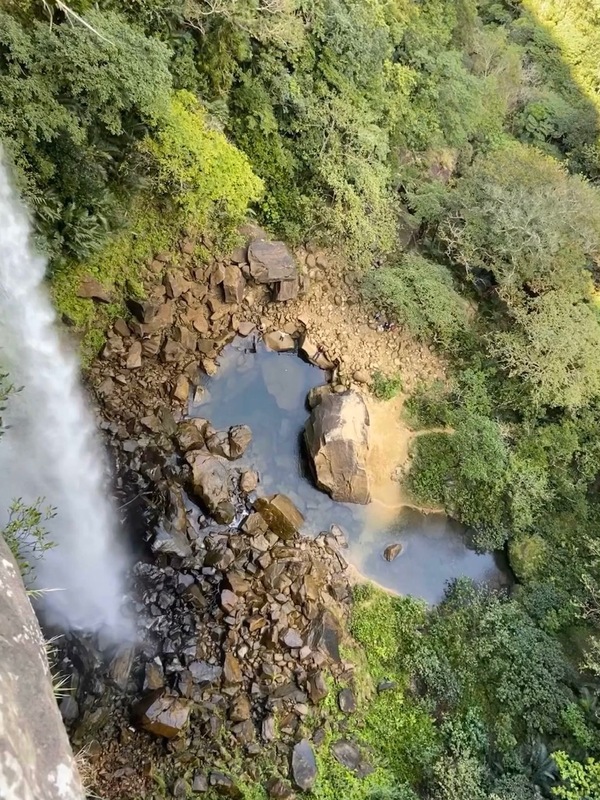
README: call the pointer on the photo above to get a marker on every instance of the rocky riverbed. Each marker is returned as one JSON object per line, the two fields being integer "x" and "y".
{"x": 241, "y": 622}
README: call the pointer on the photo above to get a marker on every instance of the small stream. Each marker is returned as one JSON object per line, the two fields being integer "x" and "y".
{"x": 267, "y": 391}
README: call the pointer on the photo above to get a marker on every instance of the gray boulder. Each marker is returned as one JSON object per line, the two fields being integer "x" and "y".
{"x": 337, "y": 440}
{"x": 271, "y": 262}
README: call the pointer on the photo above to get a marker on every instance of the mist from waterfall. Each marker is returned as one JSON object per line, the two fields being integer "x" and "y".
{"x": 50, "y": 449}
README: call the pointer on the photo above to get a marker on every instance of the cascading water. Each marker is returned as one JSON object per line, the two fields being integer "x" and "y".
{"x": 49, "y": 449}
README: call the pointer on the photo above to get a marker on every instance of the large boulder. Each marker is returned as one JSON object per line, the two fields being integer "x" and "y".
{"x": 271, "y": 262}
{"x": 337, "y": 439}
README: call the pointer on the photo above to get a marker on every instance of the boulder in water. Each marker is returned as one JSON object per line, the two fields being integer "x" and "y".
{"x": 337, "y": 439}
{"x": 279, "y": 341}
{"x": 392, "y": 551}
{"x": 280, "y": 514}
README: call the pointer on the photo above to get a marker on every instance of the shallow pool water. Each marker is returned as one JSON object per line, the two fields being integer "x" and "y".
{"x": 267, "y": 391}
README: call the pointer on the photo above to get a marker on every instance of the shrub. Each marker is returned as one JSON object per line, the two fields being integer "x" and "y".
{"x": 210, "y": 181}
{"x": 419, "y": 294}
{"x": 386, "y": 387}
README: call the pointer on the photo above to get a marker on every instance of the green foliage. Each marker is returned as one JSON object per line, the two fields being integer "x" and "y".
{"x": 579, "y": 781}
{"x": 519, "y": 216}
{"x": 552, "y": 347}
{"x": 74, "y": 103}
{"x": 25, "y": 534}
{"x": 386, "y": 387}
{"x": 420, "y": 295}
{"x": 209, "y": 180}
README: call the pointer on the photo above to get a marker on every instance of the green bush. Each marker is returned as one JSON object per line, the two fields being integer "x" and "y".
{"x": 419, "y": 294}
{"x": 209, "y": 180}
{"x": 386, "y": 387}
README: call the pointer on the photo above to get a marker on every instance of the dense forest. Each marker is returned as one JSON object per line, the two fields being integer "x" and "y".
{"x": 449, "y": 149}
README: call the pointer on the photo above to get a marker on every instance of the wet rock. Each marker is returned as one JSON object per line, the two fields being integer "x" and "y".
{"x": 278, "y": 789}
{"x": 316, "y": 394}
{"x": 232, "y": 672}
{"x": 240, "y": 437}
{"x": 337, "y": 439}
{"x": 224, "y": 786}
{"x": 171, "y": 542}
{"x": 91, "y": 289}
{"x": 120, "y": 666}
{"x": 271, "y": 262}
{"x": 280, "y": 514}
{"x": 162, "y": 714}
{"x": 392, "y": 551}
{"x": 347, "y": 754}
{"x": 304, "y": 765}
{"x": 190, "y": 435}
{"x": 234, "y": 284}
{"x": 134, "y": 356}
{"x": 346, "y": 701}
{"x": 181, "y": 390}
{"x": 248, "y": 481}
{"x": 279, "y": 341}
{"x": 211, "y": 483}
{"x": 69, "y": 708}
{"x": 200, "y": 783}
{"x": 317, "y": 687}
{"x": 205, "y": 674}
{"x": 154, "y": 677}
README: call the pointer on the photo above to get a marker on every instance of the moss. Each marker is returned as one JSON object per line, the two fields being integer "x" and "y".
{"x": 119, "y": 267}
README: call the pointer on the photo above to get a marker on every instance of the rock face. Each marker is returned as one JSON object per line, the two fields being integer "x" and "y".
{"x": 271, "y": 262}
{"x": 35, "y": 757}
{"x": 162, "y": 714}
{"x": 337, "y": 439}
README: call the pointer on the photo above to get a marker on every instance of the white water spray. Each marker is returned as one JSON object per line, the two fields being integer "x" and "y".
{"x": 50, "y": 449}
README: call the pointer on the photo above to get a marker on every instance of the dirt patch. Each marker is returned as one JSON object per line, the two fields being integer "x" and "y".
{"x": 336, "y": 319}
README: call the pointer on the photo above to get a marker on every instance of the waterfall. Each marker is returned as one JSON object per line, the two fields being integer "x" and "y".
{"x": 49, "y": 449}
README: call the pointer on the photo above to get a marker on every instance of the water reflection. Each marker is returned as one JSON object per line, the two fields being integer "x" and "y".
{"x": 267, "y": 391}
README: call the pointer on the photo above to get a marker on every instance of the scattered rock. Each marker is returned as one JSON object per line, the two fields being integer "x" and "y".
{"x": 154, "y": 677}
{"x": 162, "y": 714}
{"x": 91, "y": 289}
{"x": 241, "y": 709}
{"x": 120, "y": 666}
{"x": 134, "y": 356}
{"x": 205, "y": 674}
{"x": 224, "y": 786}
{"x": 286, "y": 290}
{"x": 190, "y": 434}
{"x": 248, "y": 481}
{"x": 271, "y": 262}
{"x": 279, "y": 341}
{"x": 240, "y": 437}
{"x": 239, "y": 255}
{"x": 337, "y": 439}
{"x": 143, "y": 310}
{"x": 347, "y": 754}
{"x": 171, "y": 542}
{"x": 234, "y": 284}
{"x": 362, "y": 376}
{"x": 386, "y": 686}
{"x": 175, "y": 284}
{"x": 346, "y": 701}
{"x": 245, "y": 328}
{"x": 232, "y": 672}
{"x": 181, "y": 390}
{"x": 210, "y": 482}
{"x": 200, "y": 783}
{"x": 121, "y": 328}
{"x": 304, "y": 765}
{"x": 317, "y": 687}
{"x": 278, "y": 789}
{"x": 280, "y": 514}
{"x": 392, "y": 551}
{"x": 292, "y": 639}
{"x": 180, "y": 789}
